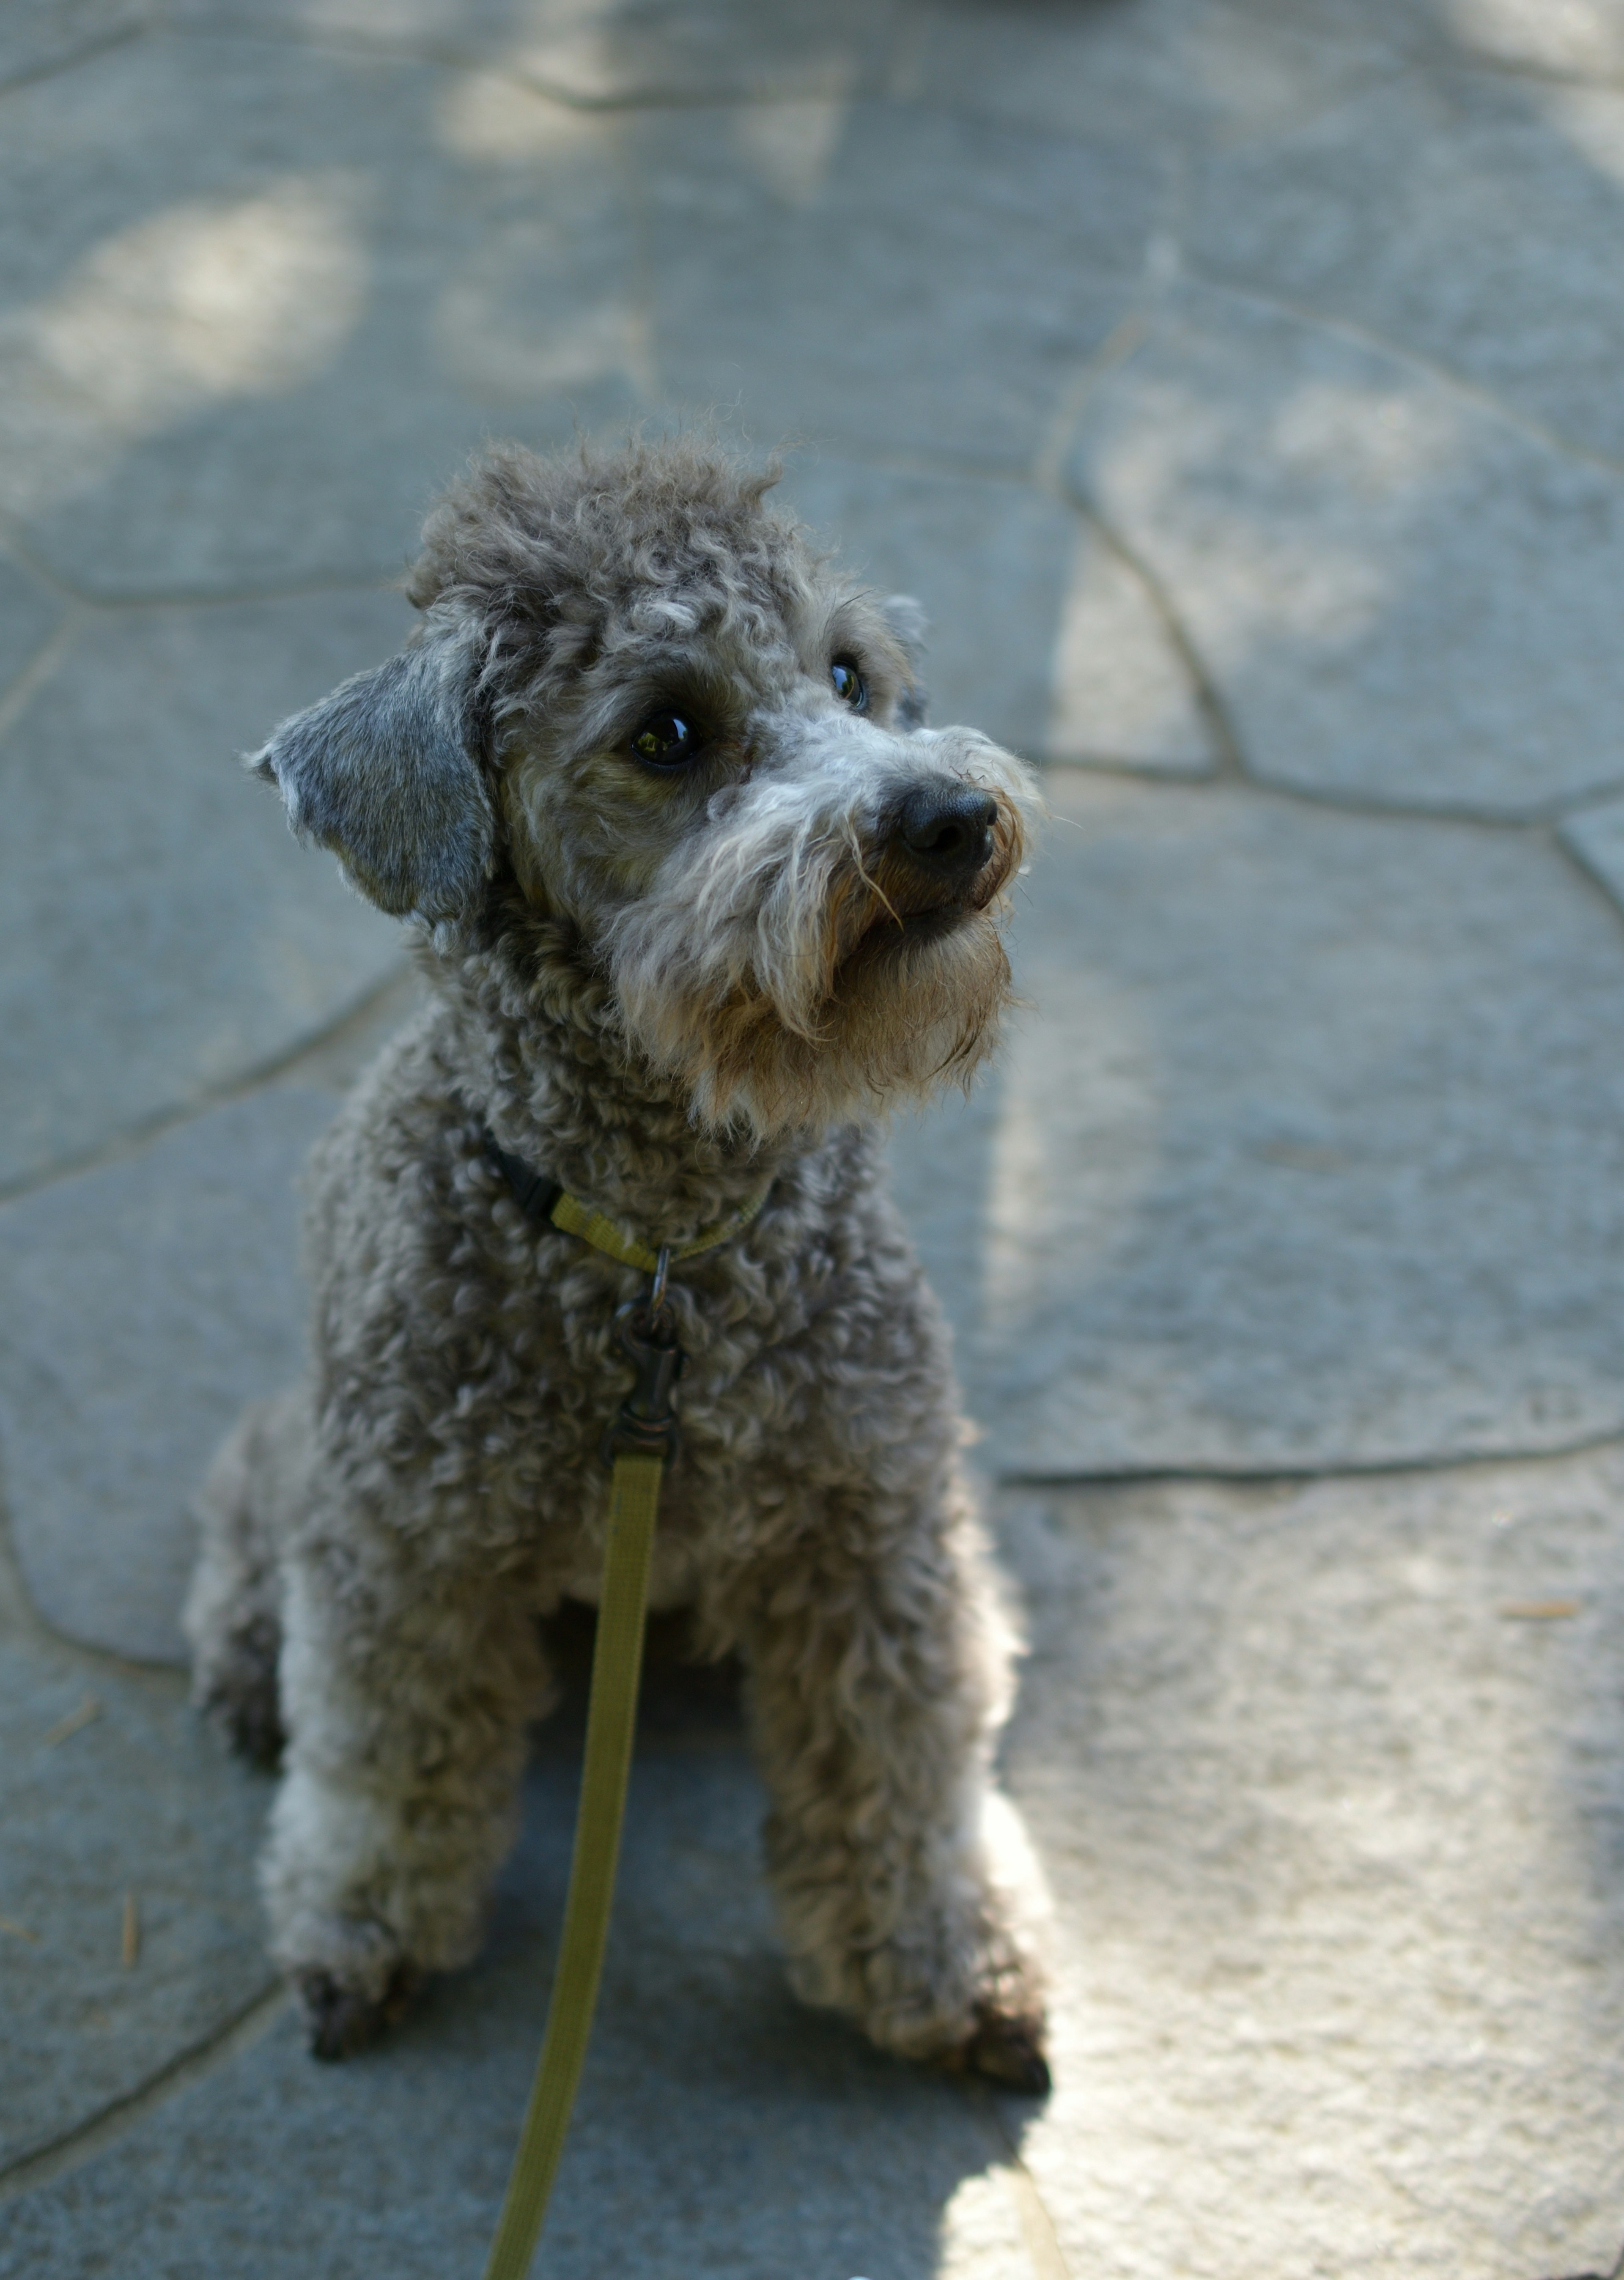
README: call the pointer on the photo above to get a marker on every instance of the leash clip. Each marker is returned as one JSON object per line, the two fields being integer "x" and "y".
{"x": 647, "y": 1423}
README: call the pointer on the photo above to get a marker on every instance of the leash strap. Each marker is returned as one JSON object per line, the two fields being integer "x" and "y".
{"x": 641, "y": 1443}
{"x": 611, "y": 1719}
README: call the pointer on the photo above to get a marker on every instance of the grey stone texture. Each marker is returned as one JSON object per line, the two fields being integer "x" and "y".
{"x": 604, "y": 52}
{"x": 246, "y": 345}
{"x": 134, "y": 1808}
{"x": 1185, "y": 72}
{"x": 1330, "y": 1779}
{"x": 720, "y": 2128}
{"x": 28, "y": 616}
{"x": 160, "y": 933}
{"x": 1403, "y": 596}
{"x": 1304, "y": 1156}
{"x": 1464, "y": 213}
{"x": 1234, "y": 384}
{"x": 40, "y": 36}
{"x": 1595, "y": 837}
{"x": 887, "y": 275}
{"x": 141, "y": 1305}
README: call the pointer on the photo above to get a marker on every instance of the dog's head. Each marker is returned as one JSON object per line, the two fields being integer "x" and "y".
{"x": 637, "y": 695}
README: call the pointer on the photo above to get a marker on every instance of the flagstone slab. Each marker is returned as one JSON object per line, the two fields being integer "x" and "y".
{"x": 720, "y": 2127}
{"x": 1328, "y": 1779}
{"x": 160, "y": 933}
{"x": 1310, "y": 1151}
{"x": 887, "y": 276}
{"x": 1190, "y": 71}
{"x": 1469, "y": 217}
{"x": 141, "y": 1306}
{"x": 263, "y": 300}
{"x": 1402, "y": 597}
{"x": 136, "y": 1808}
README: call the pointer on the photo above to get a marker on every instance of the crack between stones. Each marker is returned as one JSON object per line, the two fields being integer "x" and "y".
{"x": 427, "y": 56}
{"x": 1591, "y": 876}
{"x": 1350, "y": 329}
{"x": 1345, "y": 1469}
{"x": 88, "y": 53}
{"x": 130, "y": 1139}
{"x": 1038, "y": 2227}
{"x": 244, "y": 2029}
{"x": 1230, "y": 765}
{"x": 37, "y": 672}
{"x": 18, "y": 543}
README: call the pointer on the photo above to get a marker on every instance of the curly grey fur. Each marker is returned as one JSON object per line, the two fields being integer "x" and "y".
{"x": 661, "y": 988}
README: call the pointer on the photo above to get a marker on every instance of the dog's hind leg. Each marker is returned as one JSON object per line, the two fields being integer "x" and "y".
{"x": 879, "y": 1674}
{"x": 232, "y": 1612}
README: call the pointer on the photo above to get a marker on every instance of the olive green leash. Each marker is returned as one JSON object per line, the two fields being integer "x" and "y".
{"x": 641, "y": 1443}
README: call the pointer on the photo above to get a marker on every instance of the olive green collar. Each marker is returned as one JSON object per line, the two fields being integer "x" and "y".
{"x": 550, "y": 1204}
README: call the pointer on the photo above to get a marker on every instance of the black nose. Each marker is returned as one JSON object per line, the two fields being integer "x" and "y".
{"x": 947, "y": 829}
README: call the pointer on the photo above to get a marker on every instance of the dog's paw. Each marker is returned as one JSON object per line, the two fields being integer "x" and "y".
{"x": 341, "y": 2021}
{"x": 1010, "y": 2051}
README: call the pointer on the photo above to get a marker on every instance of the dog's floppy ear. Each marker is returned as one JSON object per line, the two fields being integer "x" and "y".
{"x": 386, "y": 773}
{"x": 907, "y": 620}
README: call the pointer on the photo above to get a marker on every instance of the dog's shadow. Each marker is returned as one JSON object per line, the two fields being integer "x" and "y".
{"x": 720, "y": 2127}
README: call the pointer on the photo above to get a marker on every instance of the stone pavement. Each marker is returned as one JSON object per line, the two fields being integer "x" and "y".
{"x": 1237, "y": 382}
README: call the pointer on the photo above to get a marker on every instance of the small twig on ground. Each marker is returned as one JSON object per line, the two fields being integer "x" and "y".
{"x": 131, "y": 1945}
{"x": 18, "y": 1932}
{"x": 89, "y": 1711}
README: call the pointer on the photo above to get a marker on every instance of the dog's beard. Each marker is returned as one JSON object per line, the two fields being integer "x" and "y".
{"x": 835, "y": 985}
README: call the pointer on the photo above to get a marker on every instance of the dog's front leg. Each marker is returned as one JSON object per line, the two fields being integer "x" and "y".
{"x": 405, "y": 1694}
{"x": 879, "y": 1676}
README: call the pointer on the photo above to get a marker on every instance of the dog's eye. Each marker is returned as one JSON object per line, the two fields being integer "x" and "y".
{"x": 665, "y": 741}
{"x": 849, "y": 685}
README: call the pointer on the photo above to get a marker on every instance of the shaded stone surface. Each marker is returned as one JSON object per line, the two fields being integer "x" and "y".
{"x": 1120, "y": 689}
{"x": 1574, "y": 36}
{"x": 1258, "y": 1182}
{"x": 1329, "y": 1780}
{"x": 248, "y": 336}
{"x": 1595, "y": 836}
{"x": 43, "y": 36}
{"x": 887, "y": 276}
{"x": 160, "y": 932}
{"x": 719, "y": 2127}
{"x": 988, "y": 559}
{"x": 27, "y": 616}
{"x": 139, "y": 1801}
{"x": 141, "y": 1305}
{"x": 1401, "y": 595}
{"x": 1172, "y": 70}
{"x": 1308, "y": 1152}
{"x": 1464, "y": 216}
{"x": 601, "y": 51}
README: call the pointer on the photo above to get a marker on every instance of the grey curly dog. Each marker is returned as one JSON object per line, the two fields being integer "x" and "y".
{"x": 698, "y": 897}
